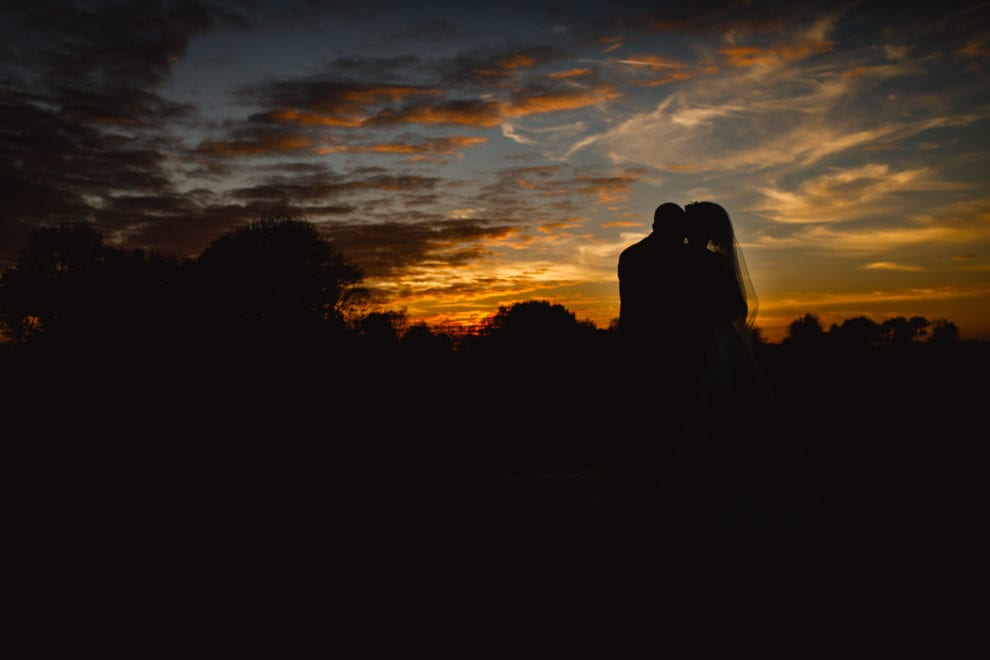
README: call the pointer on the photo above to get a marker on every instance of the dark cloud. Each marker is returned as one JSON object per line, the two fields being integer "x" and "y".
{"x": 436, "y": 149}
{"x": 468, "y": 112}
{"x": 331, "y": 104}
{"x": 329, "y": 96}
{"x": 55, "y": 170}
{"x": 101, "y": 62}
{"x": 511, "y": 180}
{"x": 184, "y": 224}
{"x": 326, "y": 103}
{"x": 82, "y": 123}
{"x": 388, "y": 248}
{"x": 328, "y": 186}
{"x": 254, "y": 142}
{"x": 472, "y": 70}
{"x": 121, "y": 106}
{"x": 123, "y": 42}
{"x": 300, "y": 168}
{"x": 943, "y": 21}
{"x": 608, "y": 189}
{"x": 523, "y": 192}
{"x": 495, "y": 65}
{"x": 530, "y": 191}
{"x": 186, "y": 227}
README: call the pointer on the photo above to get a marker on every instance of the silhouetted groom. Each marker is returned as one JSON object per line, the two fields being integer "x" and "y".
{"x": 663, "y": 344}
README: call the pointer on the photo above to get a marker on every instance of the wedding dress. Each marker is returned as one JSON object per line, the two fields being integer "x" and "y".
{"x": 737, "y": 465}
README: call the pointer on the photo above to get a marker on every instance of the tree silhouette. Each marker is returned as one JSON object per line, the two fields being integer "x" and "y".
{"x": 68, "y": 288}
{"x": 806, "y": 333}
{"x": 276, "y": 280}
{"x": 420, "y": 339}
{"x": 898, "y": 332}
{"x": 944, "y": 333}
{"x": 382, "y": 330}
{"x": 536, "y": 325}
{"x": 855, "y": 335}
{"x": 46, "y": 295}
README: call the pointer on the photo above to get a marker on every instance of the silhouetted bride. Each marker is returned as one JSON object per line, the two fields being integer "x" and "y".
{"x": 736, "y": 465}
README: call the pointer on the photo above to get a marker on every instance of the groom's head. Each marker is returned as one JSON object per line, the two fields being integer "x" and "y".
{"x": 668, "y": 220}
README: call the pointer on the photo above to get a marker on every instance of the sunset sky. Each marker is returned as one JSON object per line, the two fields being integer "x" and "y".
{"x": 468, "y": 155}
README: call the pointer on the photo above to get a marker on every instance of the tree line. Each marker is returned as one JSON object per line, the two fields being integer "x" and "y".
{"x": 279, "y": 283}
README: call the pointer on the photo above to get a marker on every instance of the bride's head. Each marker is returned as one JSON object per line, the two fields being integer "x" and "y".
{"x": 712, "y": 220}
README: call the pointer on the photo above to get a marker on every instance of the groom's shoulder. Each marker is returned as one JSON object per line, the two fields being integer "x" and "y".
{"x": 633, "y": 251}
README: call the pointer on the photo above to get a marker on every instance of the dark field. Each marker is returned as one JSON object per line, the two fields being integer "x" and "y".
{"x": 308, "y": 446}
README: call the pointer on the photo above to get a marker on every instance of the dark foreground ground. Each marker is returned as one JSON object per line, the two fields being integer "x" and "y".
{"x": 236, "y": 465}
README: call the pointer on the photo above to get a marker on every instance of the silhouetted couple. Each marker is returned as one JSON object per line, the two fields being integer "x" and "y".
{"x": 706, "y": 442}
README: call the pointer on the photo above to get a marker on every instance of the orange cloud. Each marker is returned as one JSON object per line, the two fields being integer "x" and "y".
{"x": 309, "y": 118}
{"x": 380, "y": 93}
{"x": 436, "y": 146}
{"x": 446, "y": 145}
{"x": 507, "y": 65}
{"x": 571, "y": 73}
{"x": 976, "y": 49}
{"x": 347, "y": 107}
{"x": 608, "y": 189}
{"x": 566, "y": 223}
{"x": 469, "y": 113}
{"x": 255, "y": 147}
{"x": 747, "y": 55}
{"x": 892, "y": 265}
{"x": 519, "y": 60}
{"x": 382, "y": 105}
{"x": 855, "y": 72}
{"x": 485, "y": 114}
{"x": 881, "y": 147}
{"x": 541, "y": 102}
{"x": 666, "y": 80}
{"x": 744, "y": 56}
{"x": 548, "y": 188}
